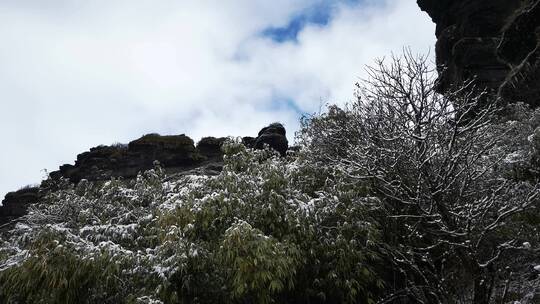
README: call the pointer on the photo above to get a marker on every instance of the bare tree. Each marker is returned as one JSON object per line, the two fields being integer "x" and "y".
{"x": 434, "y": 162}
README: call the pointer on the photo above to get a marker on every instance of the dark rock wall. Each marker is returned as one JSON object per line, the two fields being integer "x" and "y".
{"x": 174, "y": 152}
{"x": 16, "y": 203}
{"x": 520, "y": 48}
{"x": 495, "y": 41}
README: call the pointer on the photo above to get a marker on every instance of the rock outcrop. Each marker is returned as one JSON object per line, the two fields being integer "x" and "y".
{"x": 177, "y": 154}
{"x": 15, "y": 203}
{"x": 174, "y": 152}
{"x": 274, "y": 136}
{"x": 497, "y": 42}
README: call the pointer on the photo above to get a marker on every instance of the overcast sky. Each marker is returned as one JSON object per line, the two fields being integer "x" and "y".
{"x": 78, "y": 73}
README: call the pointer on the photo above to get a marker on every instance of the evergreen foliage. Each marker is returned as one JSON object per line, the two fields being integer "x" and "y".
{"x": 263, "y": 231}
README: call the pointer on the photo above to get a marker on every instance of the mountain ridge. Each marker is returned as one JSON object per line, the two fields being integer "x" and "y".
{"x": 175, "y": 153}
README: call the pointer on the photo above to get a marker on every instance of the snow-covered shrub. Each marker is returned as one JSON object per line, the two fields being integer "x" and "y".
{"x": 455, "y": 174}
{"x": 266, "y": 230}
{"x": 271, "y": 235}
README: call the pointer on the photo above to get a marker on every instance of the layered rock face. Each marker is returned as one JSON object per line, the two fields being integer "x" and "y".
{"x": 175, "y": 153}
{"x": 495, "y": 41}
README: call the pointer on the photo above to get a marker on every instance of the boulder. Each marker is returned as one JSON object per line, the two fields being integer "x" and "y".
{"x": 210, "y": 147}
{"x": 169, "y": 150}
{"x": 273, "y": 136}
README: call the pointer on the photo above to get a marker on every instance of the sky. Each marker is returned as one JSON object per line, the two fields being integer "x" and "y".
{"x": 79, "y": 73}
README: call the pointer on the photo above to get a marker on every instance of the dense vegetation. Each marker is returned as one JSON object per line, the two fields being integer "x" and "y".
{"x": 403, "y": 196}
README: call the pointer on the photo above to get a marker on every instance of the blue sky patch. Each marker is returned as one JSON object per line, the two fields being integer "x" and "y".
{"x": 284, "y": 103}
{"x": 319, "y": 14}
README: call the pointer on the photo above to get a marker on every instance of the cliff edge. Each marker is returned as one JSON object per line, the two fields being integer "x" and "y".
{"x": 497, "y": 42}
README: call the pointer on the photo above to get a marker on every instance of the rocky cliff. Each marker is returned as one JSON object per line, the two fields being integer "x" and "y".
{"x": 175, "y": 153}
{"x": 495, "y": 41}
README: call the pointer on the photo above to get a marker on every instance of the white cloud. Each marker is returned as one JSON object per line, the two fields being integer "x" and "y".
{"x": 75, "y": 74}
